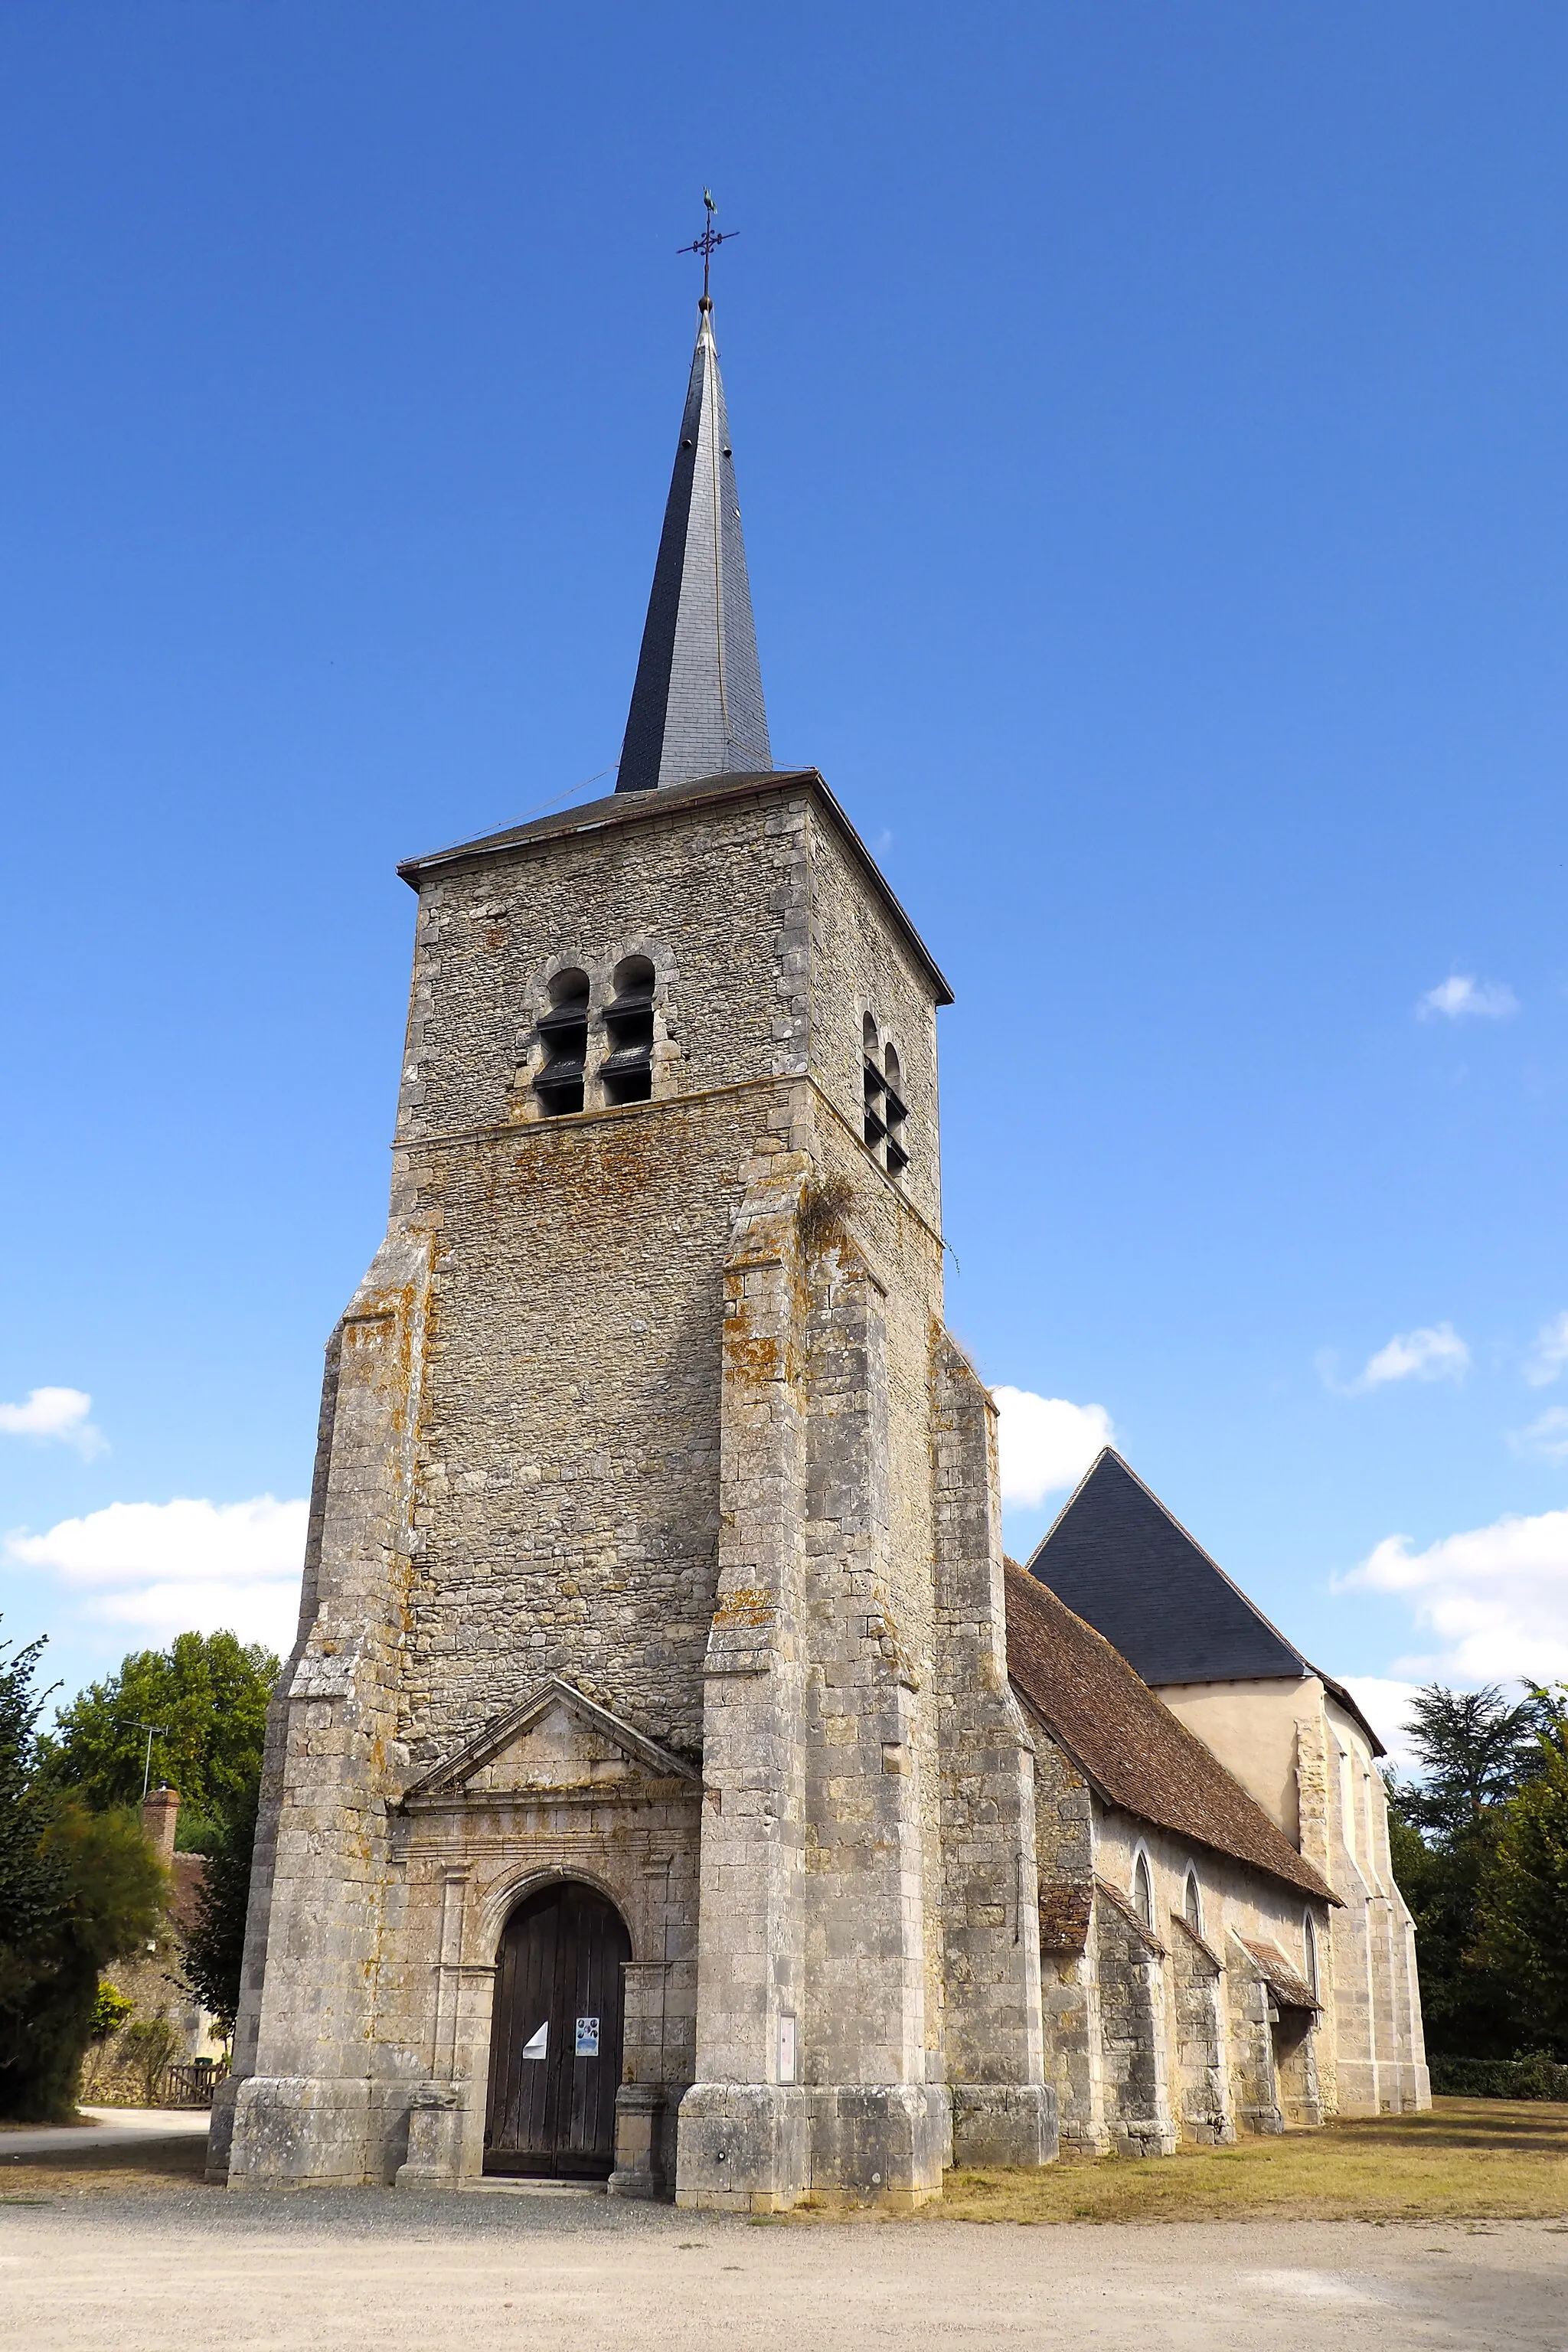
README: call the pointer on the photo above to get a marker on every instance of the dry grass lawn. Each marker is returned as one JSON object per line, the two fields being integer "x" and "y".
{"x": 160, "y": 2166}
{"x": 1469, "y": 2159}
{"x": 1481, "y": 2160}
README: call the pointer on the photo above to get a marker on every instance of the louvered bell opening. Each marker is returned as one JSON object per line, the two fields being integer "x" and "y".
{"x": 559, "y": 1085}
{"x": 898, "y": 1157}
{"x": 627, "y": 1073}
{"x": 875, "y": 1082}
{"x": 895, "y": 1109}
{"x": 634, "y": 1005}
{"x": 876, "y": 1128}
{"x": 567, "y": 1023}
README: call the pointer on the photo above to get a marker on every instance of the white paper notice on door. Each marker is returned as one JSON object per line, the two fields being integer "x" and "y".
{"x": 539, "y": 2043}
{"x": 587, "y": 2037}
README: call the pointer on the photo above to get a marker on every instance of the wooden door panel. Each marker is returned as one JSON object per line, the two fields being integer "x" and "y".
{"x": 558, "y": 1967}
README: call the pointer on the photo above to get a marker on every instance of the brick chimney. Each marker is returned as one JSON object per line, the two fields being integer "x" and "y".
{"x": 160, "y": 1811}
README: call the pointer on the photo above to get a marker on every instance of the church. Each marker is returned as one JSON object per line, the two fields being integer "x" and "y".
{"x": 672, "y": 1784}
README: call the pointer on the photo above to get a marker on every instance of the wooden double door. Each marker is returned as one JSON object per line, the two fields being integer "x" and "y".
{"x": 555, "y": 2035}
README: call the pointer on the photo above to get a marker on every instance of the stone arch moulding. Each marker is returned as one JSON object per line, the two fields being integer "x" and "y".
{"x": 513, "y": 1888}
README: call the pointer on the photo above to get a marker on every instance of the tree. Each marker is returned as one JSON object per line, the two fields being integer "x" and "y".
{"x": 1466, "y": 2009}
{"x": 215, "y": 1943}
{"x": 32, "y": 1885}
{"x": 208, "y": 1695}
{"x": 1480, "y": 1757}
{"x": 77, "y": 1889}
{"x": 111, "y": 1892}
{"x": 1475, "y": 1749}
{"x": 1522, "y": 1904}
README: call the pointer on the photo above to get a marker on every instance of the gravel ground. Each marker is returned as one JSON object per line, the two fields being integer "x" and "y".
{"x": 205, "y": 2271}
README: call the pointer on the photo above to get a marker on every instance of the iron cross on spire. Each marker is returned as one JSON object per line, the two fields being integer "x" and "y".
{"x": 708, "y": 244}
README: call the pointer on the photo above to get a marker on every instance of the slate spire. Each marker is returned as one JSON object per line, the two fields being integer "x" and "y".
{"x": 697, "y": 705}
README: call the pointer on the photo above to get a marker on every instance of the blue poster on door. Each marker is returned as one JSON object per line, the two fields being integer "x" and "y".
{"x": 587, "y": 2037}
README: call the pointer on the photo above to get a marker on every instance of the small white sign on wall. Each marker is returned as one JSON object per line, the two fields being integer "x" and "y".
{"x": 786, "y": 2050}
{"x": 587, "y": 2037}
{"x": 538, "y": 2043}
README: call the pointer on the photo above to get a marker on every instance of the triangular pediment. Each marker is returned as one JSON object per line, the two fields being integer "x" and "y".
{"x": 555, "y": 1740}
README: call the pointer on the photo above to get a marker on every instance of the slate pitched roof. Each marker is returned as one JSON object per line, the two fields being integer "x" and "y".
{"x": 1118, "y": 1557}
{"x": 1125, "y": 1563}
{"x": 697, "y": 704}
{"x": 1128, "y": 1744}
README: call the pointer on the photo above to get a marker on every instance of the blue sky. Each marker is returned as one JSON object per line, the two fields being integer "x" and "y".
{"x": 1149, "y": 421}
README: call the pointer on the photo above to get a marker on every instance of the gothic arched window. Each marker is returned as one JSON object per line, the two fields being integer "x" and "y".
{"x": 1144, "y": 1890}
{"x": 628, "y": 1069}
{"x": 563, "y": 1033}
{"x": 1192, "y": 1902}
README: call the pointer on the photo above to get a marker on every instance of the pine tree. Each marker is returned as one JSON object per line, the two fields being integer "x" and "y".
{"x": 1522, "y": 1905}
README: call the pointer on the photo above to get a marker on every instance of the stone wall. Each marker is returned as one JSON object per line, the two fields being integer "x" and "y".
{"x": 1156, "y": 2032}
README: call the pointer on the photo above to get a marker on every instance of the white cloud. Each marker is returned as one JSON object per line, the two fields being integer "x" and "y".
{"x": 1546, "y": 1438}
{"x": 1434, "y": 1352}
{"x": 1549, "y": 1353}
{"x": 187, "y": 1565}
{"x": 1045, "y": 1443}
{"x": 1386, "y": 1706}
{"x": 53, "y": 1412}
{"x": 1496, "y": 1598}
{"x": 1463, "y": 997}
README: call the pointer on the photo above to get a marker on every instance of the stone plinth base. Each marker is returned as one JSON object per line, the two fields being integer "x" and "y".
{"x": 644, "y": 2141}
{"x": 1003, "y": 2122}
{"x": 880, "y": 2143}
{"x": 759, "y": 2148}
{"x": 436, "y": 2115}
{"x": 220, "y": 2131}
{"x": 741, "y": 2147}
{"x": 305, "y": 2131}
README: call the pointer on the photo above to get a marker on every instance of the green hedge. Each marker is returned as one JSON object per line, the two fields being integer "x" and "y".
{"x": 1531, "y": 2075}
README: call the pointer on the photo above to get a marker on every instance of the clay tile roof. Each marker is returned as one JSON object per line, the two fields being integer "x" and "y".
{"x": 1288, "y": 1985}
{"x": 1127, "y": 1741}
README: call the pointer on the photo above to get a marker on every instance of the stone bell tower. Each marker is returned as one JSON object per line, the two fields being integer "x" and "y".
{"x": 645, "y": 1792}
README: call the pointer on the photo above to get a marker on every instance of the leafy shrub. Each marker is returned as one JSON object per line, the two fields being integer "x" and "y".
{"x": 151, "y": 2045}
{"x": 109, "y": 2012}
{"x": 1532, "y": 2074}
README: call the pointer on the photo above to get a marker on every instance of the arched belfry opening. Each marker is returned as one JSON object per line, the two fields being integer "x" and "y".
{"x": 555, "y": 2035}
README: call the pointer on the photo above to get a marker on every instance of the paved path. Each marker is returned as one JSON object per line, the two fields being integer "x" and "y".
{"x": 348, "y": 2272}
{"x": 109, "y": 2127}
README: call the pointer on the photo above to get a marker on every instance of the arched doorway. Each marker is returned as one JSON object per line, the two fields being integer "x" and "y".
{"x": 555, "y": 2035}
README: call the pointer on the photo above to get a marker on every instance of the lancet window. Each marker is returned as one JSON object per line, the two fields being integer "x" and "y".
{"x": 1144, "y": 1890}
{"x": 1193, "y": 1903}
